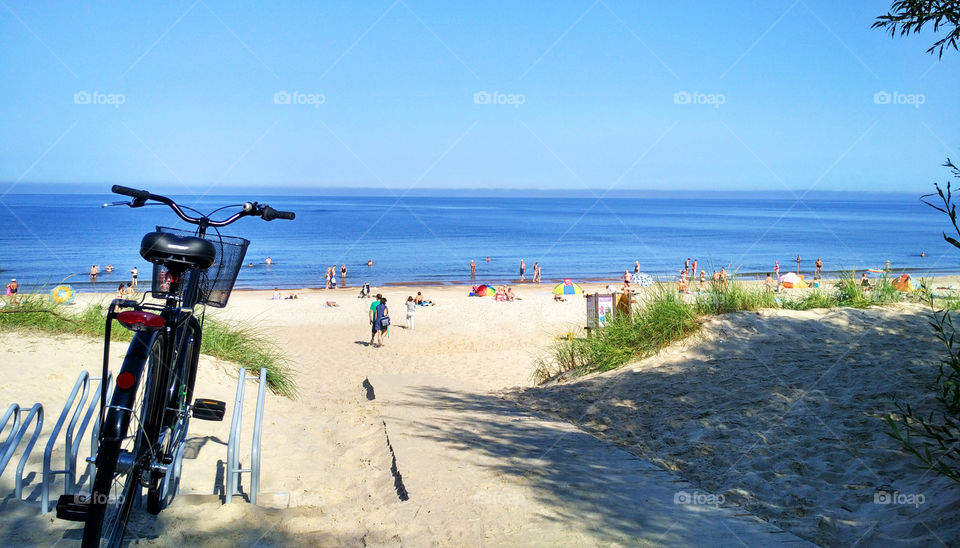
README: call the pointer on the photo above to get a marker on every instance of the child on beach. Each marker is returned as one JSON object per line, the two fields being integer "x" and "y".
{"x": 411, "y": 310}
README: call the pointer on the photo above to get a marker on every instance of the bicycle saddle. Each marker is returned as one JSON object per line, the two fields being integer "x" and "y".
{"x": 166, "y": 248}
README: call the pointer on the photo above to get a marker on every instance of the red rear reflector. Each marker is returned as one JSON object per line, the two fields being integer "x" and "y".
{"x": 125, "y": 380}
{"x": 138, "y": 320}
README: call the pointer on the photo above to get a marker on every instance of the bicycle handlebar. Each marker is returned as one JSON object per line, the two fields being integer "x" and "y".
{"x": 133, "y": 193}
{"x": 270, "y": 214}
{"x": 254, "y": 209}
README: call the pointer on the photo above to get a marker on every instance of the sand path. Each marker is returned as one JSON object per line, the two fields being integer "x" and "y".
{"x": 476, "y": 469}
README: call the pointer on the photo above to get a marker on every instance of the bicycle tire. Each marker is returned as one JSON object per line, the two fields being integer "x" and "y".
{"x": 163, "y": 487}
{"x": 127, "y": 436}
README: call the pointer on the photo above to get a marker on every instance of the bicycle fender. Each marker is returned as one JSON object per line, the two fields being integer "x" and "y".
{"x": 117, "y": 417}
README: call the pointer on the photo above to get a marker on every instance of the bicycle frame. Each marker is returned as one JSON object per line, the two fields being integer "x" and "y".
{"x": 179, "y": 323}
{"x": 162, "y": 358}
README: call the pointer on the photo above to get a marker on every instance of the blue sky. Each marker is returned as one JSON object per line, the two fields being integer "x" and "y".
{"x": 605, "y": 95}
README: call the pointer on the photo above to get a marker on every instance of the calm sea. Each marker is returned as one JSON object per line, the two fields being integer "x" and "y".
{"x": 45, "y": 239}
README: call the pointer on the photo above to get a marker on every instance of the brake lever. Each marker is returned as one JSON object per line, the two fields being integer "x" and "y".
{"x": 114, "y": 204}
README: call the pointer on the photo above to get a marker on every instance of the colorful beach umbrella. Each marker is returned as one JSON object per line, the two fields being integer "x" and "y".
{"x": 642, "y": 279}
{"x": 61, "y": 294}
{"x": 484, "y": 290}
{"x": 791, "y": 280}
{"x": 568, "y": 288}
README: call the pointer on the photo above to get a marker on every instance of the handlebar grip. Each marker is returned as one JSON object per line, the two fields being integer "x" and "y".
{"x": 132, "y": 192}
{"x": 270, "y": 214}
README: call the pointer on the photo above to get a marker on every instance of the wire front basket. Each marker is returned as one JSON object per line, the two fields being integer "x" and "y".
{"x": 217, "y": 281}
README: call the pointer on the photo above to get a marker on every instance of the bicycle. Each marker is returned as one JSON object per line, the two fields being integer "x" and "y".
{"x": 143, "y": 430}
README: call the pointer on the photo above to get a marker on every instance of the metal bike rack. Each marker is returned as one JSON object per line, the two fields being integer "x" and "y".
{"x": 17, "y": 432}
{"x": 233, "y": 458}
{"x": 73, "y": 437}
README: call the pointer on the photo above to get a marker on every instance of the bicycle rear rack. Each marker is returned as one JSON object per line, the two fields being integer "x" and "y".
{"x": 73, "y": 436}
{"x": 17, "y": 432}
{"x": 233, "y": 458}
{"x": 72, "y": 439}
{"x": 76, "y": 428}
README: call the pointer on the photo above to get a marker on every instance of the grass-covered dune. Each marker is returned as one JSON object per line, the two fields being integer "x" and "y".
{"x": 237, "y": 342}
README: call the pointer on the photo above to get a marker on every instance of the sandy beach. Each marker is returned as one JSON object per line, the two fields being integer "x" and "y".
{"x": 777, "y": 413}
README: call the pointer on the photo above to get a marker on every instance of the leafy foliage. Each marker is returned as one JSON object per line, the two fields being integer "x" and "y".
{"x": 934, "y": 439}
{"x": 910, "y": 16}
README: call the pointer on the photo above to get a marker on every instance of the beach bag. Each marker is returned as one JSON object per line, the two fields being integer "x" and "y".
{"x": 384, "y": 319}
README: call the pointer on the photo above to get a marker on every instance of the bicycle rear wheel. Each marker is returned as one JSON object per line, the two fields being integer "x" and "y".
{"x": 163, "y": 487}
{"x": 128, "y": 435}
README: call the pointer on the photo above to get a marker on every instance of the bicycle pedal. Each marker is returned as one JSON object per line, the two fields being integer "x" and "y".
{"x": 209, "y": 410}
{"x": 73, "y": 507}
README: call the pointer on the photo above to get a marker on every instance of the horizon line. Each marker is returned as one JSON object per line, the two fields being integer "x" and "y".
{"x": 301, "y": 190}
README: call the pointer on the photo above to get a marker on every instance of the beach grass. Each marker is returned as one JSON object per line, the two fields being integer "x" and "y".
{"x": 237, "y": 342}
{"x": 244, "y": 344}
{"x": 814, "y": 299}
{"x": 661, "y": 318}
{"x": 733, "y": 296}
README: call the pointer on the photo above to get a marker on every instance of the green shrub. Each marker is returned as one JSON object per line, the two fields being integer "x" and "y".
{"x": 661, "y": 318}
{"x": 735, "y": 297}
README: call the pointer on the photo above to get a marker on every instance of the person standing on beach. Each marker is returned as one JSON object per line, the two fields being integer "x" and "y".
{"x": 371, "y": 315}
{"x": 133, "y": 277}
{"x": 798, "y": 264}
{"x": 626, "y": 278}
{"x": 818, "y": 269}
{"x": 768, "y": 284}
{"x": 536, "y": 273}
{"x": 686, "y": 265}
{"x": 381, "y": 320}
{"x": 12, "y": 288}
{"x": 693, "y": 270}
{"x": 326, "y": 276}
{"x": 523, "y": 268}
{"x": 473, "y": 269}
{"x": 343, "y": 274}
{"x": 723, "y": 278}
{"x": 776, "y": 269}
{"x": 703, "y": 278}
{"x": 636, "y": 267}
{"x": 411, "y": 310}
